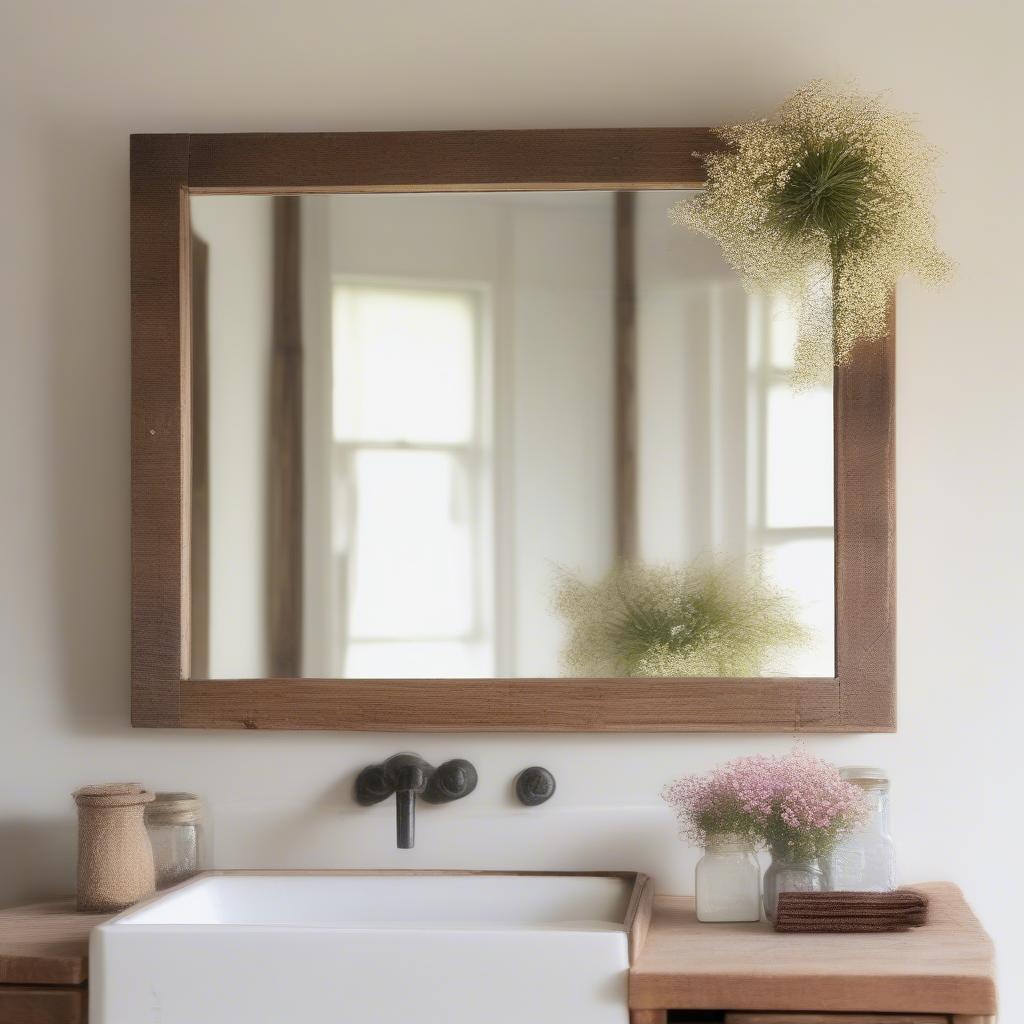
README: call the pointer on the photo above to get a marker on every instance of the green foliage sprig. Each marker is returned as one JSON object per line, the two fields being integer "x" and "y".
{"x": 828, "y": 202}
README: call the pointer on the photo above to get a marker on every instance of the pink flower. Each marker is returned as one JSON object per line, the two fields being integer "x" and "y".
{"x": 797, "y": 805}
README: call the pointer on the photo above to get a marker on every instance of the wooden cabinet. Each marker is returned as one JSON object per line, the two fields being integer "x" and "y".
{"x": 40, "y": 1004}
{"x": 852, "y": 1018}
{"x": 746, "y": 1017}
{"x": 833, "y": 1018}
{"x": 44, "y": 963}
{"x": 943, "y": 973}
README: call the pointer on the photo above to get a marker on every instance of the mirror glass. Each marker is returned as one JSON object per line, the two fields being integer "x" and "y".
{"x": 484, "y": 435}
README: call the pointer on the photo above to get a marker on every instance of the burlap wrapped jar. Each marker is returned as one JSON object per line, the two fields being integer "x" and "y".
{"x": 115, "y": 858}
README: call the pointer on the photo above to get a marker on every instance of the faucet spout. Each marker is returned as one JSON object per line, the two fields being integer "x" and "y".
{"x": 405, "y": 809}
{"x": 411, "y": 774}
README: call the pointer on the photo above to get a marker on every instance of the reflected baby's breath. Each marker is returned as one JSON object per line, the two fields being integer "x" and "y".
{"x": 715, "y": 618}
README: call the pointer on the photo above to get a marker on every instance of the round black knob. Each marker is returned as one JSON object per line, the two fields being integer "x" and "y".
{"x": 451, "y": 781}
{"x": 535, "y": 786}
{"x": 373, "y": 785}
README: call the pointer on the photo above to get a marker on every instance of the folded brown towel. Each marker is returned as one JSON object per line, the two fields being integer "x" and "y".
{"x": 895, "y": 911}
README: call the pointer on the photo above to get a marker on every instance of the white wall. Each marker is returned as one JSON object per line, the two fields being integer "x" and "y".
{"x": 239, "y": 235}
{"x": 77, "y": 78}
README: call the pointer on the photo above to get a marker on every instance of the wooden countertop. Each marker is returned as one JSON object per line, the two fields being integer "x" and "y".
{"x": 945, "y": 967}
{"x": 45, "y": 944}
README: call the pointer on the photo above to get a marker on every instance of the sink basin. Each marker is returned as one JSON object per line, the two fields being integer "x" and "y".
{"x": 372, "y": 948}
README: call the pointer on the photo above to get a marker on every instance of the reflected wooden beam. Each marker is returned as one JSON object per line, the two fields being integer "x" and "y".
{"x": 625, "y": 377}
{"x": 285, "y": 471}
{"x": 199, "y": 554}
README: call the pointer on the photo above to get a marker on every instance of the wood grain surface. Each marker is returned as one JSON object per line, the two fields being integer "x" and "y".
{"x": 165, "y": 690}
{"x": 46, "y": 943}
{"x": 36, "y": 1005}
{"x": 627, "y": 498}
{"x": 511, "y": 705}
{"x": 835, "y": 1018}
{"x": 161, "y": 426}
{"x": 946, "y": 967}
{"x": 284, "y": 540}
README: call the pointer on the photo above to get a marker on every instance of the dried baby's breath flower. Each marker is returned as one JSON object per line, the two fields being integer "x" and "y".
{"x": 710, "y": 619}
{"x": 796, "y": 805}
{"x": 828, "y": 203}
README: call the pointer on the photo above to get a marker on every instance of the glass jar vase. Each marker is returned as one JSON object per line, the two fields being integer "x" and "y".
{"x": 728, "y": 881}
{"x": 865, "y": 859}
{"x": 177, "y": 831}
{"x": 789, "y": 873}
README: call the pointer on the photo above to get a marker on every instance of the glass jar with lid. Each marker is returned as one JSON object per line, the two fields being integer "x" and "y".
{"x": 177, "y": 830}
{"x": 865, "y": 859}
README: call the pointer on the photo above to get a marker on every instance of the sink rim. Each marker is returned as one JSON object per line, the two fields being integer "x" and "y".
{"x": 635, "y": 920}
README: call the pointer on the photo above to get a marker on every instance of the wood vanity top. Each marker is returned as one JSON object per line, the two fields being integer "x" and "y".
{"x": 945, "y": 967}
{"x": 45, "y": 944}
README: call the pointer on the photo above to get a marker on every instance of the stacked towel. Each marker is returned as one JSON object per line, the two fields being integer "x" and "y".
{"x": 851, "y": 911}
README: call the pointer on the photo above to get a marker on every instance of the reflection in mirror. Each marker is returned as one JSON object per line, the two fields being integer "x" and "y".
{"x": 496, "y": 435}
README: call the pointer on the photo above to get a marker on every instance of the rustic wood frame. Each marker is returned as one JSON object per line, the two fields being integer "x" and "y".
{"x": 165, "y": 169}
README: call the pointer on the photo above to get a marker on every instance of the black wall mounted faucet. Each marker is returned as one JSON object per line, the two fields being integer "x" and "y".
{"x": 408, "y": 776}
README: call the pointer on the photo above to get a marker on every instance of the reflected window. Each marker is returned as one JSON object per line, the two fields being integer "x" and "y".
{"x": 793, "y": 497}
{"x": 411, "y": 482}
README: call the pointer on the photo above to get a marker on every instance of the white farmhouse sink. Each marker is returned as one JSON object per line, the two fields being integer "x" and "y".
{"x": 387, "y": 948}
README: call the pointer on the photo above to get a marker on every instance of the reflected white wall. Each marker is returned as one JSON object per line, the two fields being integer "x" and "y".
{"x": 728, "y": 453}
{"x": 239, "y": 236}
{"x": 545, "y": 261}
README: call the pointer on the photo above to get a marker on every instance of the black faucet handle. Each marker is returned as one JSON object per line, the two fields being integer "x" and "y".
{"x": 451, "y": 781}
{"x": 373, "y": 785}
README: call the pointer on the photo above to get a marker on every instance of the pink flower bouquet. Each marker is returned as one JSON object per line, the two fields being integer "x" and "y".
{"x": 798, "y": 806}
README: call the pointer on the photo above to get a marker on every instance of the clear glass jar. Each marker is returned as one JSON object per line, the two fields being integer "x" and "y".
{"x": 865, "y": 860}
{"x": 177, "y": 830}
{"x": 728, "y": 881}
{"x": 787, "y": 873}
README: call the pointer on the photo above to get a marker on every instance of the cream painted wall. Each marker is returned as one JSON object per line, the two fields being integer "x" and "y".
{"x": 77, "y": 78}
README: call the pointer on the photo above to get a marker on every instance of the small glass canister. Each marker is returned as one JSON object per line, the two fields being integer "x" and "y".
{"x": 728, "y": 880}
{"x": 865, "y": 859}
{"x": 177, "y": 830}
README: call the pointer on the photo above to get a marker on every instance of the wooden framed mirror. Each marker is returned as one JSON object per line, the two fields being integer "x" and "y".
{"x": 334, "y": 527}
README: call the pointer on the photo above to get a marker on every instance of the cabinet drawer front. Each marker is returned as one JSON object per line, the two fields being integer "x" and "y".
{"x": 27, "y": 1005}
{"x": 834, "y": 1018}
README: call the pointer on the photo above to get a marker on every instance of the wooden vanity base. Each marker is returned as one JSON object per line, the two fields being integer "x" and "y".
{"x": 852, "y": 1018}
{"x": 942, "y": 973}
{"x": 833, "y": 1018}
{"x": 40, "y": 1004}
